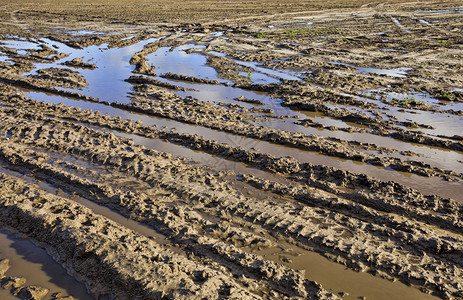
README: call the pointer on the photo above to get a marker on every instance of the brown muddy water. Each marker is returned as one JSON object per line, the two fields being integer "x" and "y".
{"x": 29, "y": 261}
{"x": 339, "y": 279}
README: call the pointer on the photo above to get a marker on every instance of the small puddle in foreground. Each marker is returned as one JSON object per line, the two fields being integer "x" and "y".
{"x": 29, "y": 261}
{"x": 337, "y": 278}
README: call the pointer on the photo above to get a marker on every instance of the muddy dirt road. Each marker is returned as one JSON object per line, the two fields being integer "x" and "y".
{"x": 302, "y": 151}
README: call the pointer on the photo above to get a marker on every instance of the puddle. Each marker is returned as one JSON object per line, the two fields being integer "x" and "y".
{"x": 337, "y": 278}
{"x": 125, "y": 115}
{"x": 96, "y": 208}
{"x": 84, "y": 32}
{"x": 397, "y": 22}
{"x": 218, "y": 163}
{"x": 29, "y": 261}
{"x": 4, "y": 58}
{"x": 179, "y": 62}
{"x": 194, "y": 64}
{"x": 20, "y": 44}
{"x": 396, "y": 72}
{"x": 259, "y": 78}
{"x": 375, "y": 33}
{"x": 424, "y": 22}
{"x": 112, "y": 215}
{"x": 106, "y": 82}
{"x": 273, "y": 76}
{"x": 217, "y": 53}
{"x": 455, "y": 10}
{"x": 290, "y": 24}
{"x": 217, "y": 34}
{"x": 444, "y": 124}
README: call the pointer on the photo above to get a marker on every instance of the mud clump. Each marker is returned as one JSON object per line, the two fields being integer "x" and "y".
{"x": 144, "y": 68}
{"x": 66, "y": 78}
{"x": 78, "y": 63}
{"x": 4, "y": 266}
{"x": 188, "y": 78}
{"x": 250, "y": 101}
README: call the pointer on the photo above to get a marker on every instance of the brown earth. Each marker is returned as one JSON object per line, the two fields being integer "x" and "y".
{"x": 318, "y": 156}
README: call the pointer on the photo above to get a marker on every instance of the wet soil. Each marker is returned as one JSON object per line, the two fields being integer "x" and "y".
{"x": 290, "y": 151}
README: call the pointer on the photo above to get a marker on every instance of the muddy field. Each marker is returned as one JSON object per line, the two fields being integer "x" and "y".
{"x": 277, "y": 150}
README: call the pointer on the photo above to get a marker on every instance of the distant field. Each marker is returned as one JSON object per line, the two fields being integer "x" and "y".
{"x": 174, "y": 11}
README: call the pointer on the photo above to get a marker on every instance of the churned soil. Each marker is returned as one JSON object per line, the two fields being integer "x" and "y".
{"x": 240, "y": 149}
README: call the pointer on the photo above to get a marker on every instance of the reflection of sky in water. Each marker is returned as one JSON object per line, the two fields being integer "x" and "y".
{"x": 217, "y": 34}
{"x": 217, "y": 53}
{"x": 259, "y": 78}
{"x": 375, "y": 33}
{"x": 182, "y": 63}
{"x": 83, "y": 32}
{"x": 424, "y": 22}
{"x": 123, "y": 114}
{"x": 3, "y": 58}
{"x": 455, "y": 10}
{"x": 41, "y": 269}
{"x": 20, "y": 45}
{"x": 227, "y": 94}
{"x": 398, "y": 72}
{"x": 290, "y": 24}
{"x": 444, "y": 124}
{"x": 194, "y": 64}
{"x": 281, "y": 74}
{"x": 425, "y": 98}
{"x": 106, "y": 82}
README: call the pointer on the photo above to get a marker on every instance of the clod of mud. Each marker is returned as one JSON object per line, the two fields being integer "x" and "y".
{"x": 251, "y": 101}
{"x": 188, "y": 78}
{"x": 13, "y": 283}
{"x": 78, "y": 63}
{"x": 4, "y": 266}
{"x": 66, "y": 78}
{"x": 32, "y": 293}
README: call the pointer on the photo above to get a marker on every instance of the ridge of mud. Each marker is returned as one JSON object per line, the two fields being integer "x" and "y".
{"x": 146, "y": 80}
{"x": 278, "y": 277}
{"x": 171, "y": 75}
{"x": 86, "y": 245}
{"x": 66, "y": 78}
{"x": 141, "y": 164}
{"x": 444, "y": 212}
{"x": 43, "y": 85}
{"x": 184, "y": 230}
{"x": 398, "y": 133}
{"x": 180, "y": 110}
{"x": 78, "y": 63}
